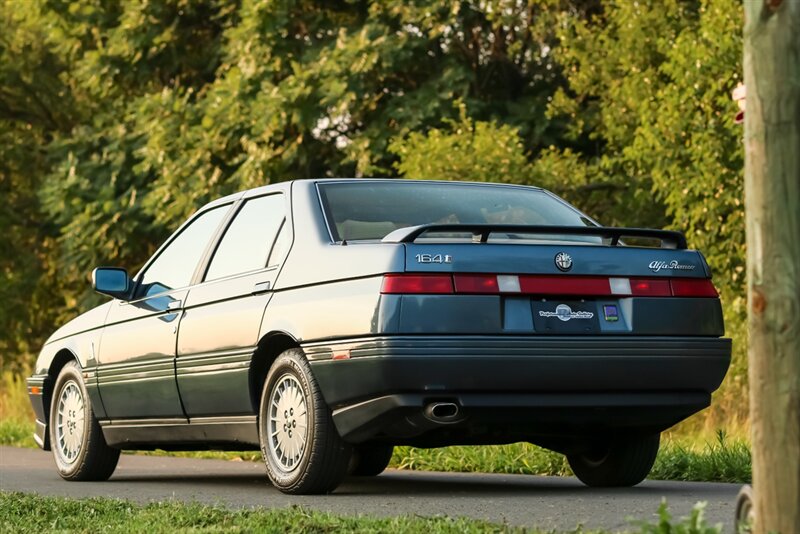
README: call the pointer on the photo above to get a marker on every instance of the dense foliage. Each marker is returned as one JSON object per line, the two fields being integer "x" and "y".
{"x": 118, "y": 119}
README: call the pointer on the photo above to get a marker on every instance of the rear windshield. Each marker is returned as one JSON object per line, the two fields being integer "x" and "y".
{"x": 371, "y": 210}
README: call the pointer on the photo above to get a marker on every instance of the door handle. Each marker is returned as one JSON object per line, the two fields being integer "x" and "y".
{"x": 174, "y": 305}
{"x": 261, "y": 287}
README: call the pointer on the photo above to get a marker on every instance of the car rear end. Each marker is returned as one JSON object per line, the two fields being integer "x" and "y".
{"x": 515, "y": 318}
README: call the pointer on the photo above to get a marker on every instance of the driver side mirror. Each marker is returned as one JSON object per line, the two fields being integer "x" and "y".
{"x": 112, "y": 281}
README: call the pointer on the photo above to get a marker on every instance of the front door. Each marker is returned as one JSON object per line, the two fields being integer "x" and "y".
{"x": 136, "y": 372}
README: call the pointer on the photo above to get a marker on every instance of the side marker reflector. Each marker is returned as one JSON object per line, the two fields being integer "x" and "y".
{"x": 341, "y": 355}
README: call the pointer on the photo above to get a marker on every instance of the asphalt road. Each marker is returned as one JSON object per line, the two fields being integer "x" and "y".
{"x": 546, "y": 502}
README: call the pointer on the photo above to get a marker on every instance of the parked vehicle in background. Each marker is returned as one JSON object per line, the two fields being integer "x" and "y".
{"x": 326, "y": 321}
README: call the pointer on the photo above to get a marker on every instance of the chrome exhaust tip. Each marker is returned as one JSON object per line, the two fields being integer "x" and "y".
{"x": 442, "y": 412}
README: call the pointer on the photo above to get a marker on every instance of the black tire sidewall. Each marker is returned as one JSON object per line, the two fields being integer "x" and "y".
{"x": 287, "y": 363}
{"x": 70, "y": 373}
{"x": 627, "y": 462}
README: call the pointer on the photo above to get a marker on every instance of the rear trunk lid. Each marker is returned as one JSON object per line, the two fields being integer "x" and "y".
{"x": 554, "y": 280}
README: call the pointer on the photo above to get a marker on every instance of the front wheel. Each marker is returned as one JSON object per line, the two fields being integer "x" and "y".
{"x": 79, "y": 448}
{"x": 303, "y": 451}
{"x": 621, "y": 463}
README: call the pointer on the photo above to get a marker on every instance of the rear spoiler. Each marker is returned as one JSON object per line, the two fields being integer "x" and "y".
{"x": 480, "y": 232}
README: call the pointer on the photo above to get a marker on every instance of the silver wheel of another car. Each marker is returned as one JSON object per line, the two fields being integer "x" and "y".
{"x": 302, "y": 450}
{"x": 287, "y": 423}
{"x": 69, "y": 423}
{"x": 79, "y": 449}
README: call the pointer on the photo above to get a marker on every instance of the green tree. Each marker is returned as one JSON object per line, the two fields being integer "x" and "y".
{"x": 120, "y": 118}
{"x": 650, "y": 85}
{"x": 465, "y": 150}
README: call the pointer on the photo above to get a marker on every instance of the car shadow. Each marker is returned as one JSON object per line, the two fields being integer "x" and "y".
{"x": 405, "y": 483}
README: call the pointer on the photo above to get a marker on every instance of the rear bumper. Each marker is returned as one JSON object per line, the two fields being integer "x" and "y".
{"x": 541, "y": 385}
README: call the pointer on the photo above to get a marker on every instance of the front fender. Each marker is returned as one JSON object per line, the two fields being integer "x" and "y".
{"x": 81, "y": 348}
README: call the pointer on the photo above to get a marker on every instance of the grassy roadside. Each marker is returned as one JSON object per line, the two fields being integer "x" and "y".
{"x": 24, "y": 513}
{"x": 28, "y": 513}
{"x": 16, "y": 415}
{"x": 718, "y": 461}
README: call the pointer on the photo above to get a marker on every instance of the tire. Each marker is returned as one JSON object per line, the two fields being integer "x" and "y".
{"x": 745, "y": 512}
{"x": 302, "y": 450}
{"x": 371, "y": 459}
{"x": 79, "y": 448}
{"x": 621, "y": 463}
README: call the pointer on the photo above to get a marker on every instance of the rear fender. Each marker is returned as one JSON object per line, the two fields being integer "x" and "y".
{"x": 345, "y": 308}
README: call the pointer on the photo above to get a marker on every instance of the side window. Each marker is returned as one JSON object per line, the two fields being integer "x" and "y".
{"x": 248, "y": 240}
{"x": 174, "y": 267}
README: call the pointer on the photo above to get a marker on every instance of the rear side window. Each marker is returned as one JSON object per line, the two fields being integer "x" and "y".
{"x": 371, "y": 210}
{"x": 249, "y": 239}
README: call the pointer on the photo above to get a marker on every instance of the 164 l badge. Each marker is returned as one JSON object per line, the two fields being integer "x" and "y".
{"x": 434, "y": 258}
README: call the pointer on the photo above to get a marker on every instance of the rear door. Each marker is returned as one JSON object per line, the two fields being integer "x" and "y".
{"x": 219, "y": 330}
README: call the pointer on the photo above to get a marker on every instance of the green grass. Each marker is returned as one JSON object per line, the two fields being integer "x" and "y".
{"x": 16, "y": 415}
{"x": 718, "y": 461}
{"x": 16, "y": 433}
{"x": 23, "y": 513}
{"x": 516, "y": 458}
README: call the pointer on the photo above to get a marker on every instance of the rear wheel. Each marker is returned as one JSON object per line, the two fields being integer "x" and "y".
{"x": 303, "y": 452}
{"x": 79, "y": 448}
{"x": 620, "y": 463}
{"x": 371, "y": 459}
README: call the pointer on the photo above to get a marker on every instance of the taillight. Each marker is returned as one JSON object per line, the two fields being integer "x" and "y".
{"x": 693, "y": 287}
{"x": 583, "y": 286}
{"x": 564, "y": 285}
{"x": 430, "y": 284}
{"x": 650, "y": 288}
{"x": 476, "y": 283}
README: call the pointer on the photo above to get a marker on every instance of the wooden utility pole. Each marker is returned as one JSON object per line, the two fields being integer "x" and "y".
{"x": 772, "y": 200}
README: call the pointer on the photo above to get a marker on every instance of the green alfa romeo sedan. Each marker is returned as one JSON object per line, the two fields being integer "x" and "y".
{"x": 326, "y": 321}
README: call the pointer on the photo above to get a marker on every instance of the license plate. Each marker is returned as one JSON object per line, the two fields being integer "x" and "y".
{"x": 565, "y": 317}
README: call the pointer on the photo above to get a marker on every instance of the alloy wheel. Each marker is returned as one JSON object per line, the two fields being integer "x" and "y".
{"x": 70, "y": 421}
{"x": 287, "y": 423}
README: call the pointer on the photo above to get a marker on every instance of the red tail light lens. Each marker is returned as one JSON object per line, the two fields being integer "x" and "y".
{"x": 650, "y": 288}
{"x": 477, "y": 283}
{"x": 564, "y": 285}
{"x": 692, "y": 287}
{"x": 425, "y": 284}
{"x": 446, "y": 284}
